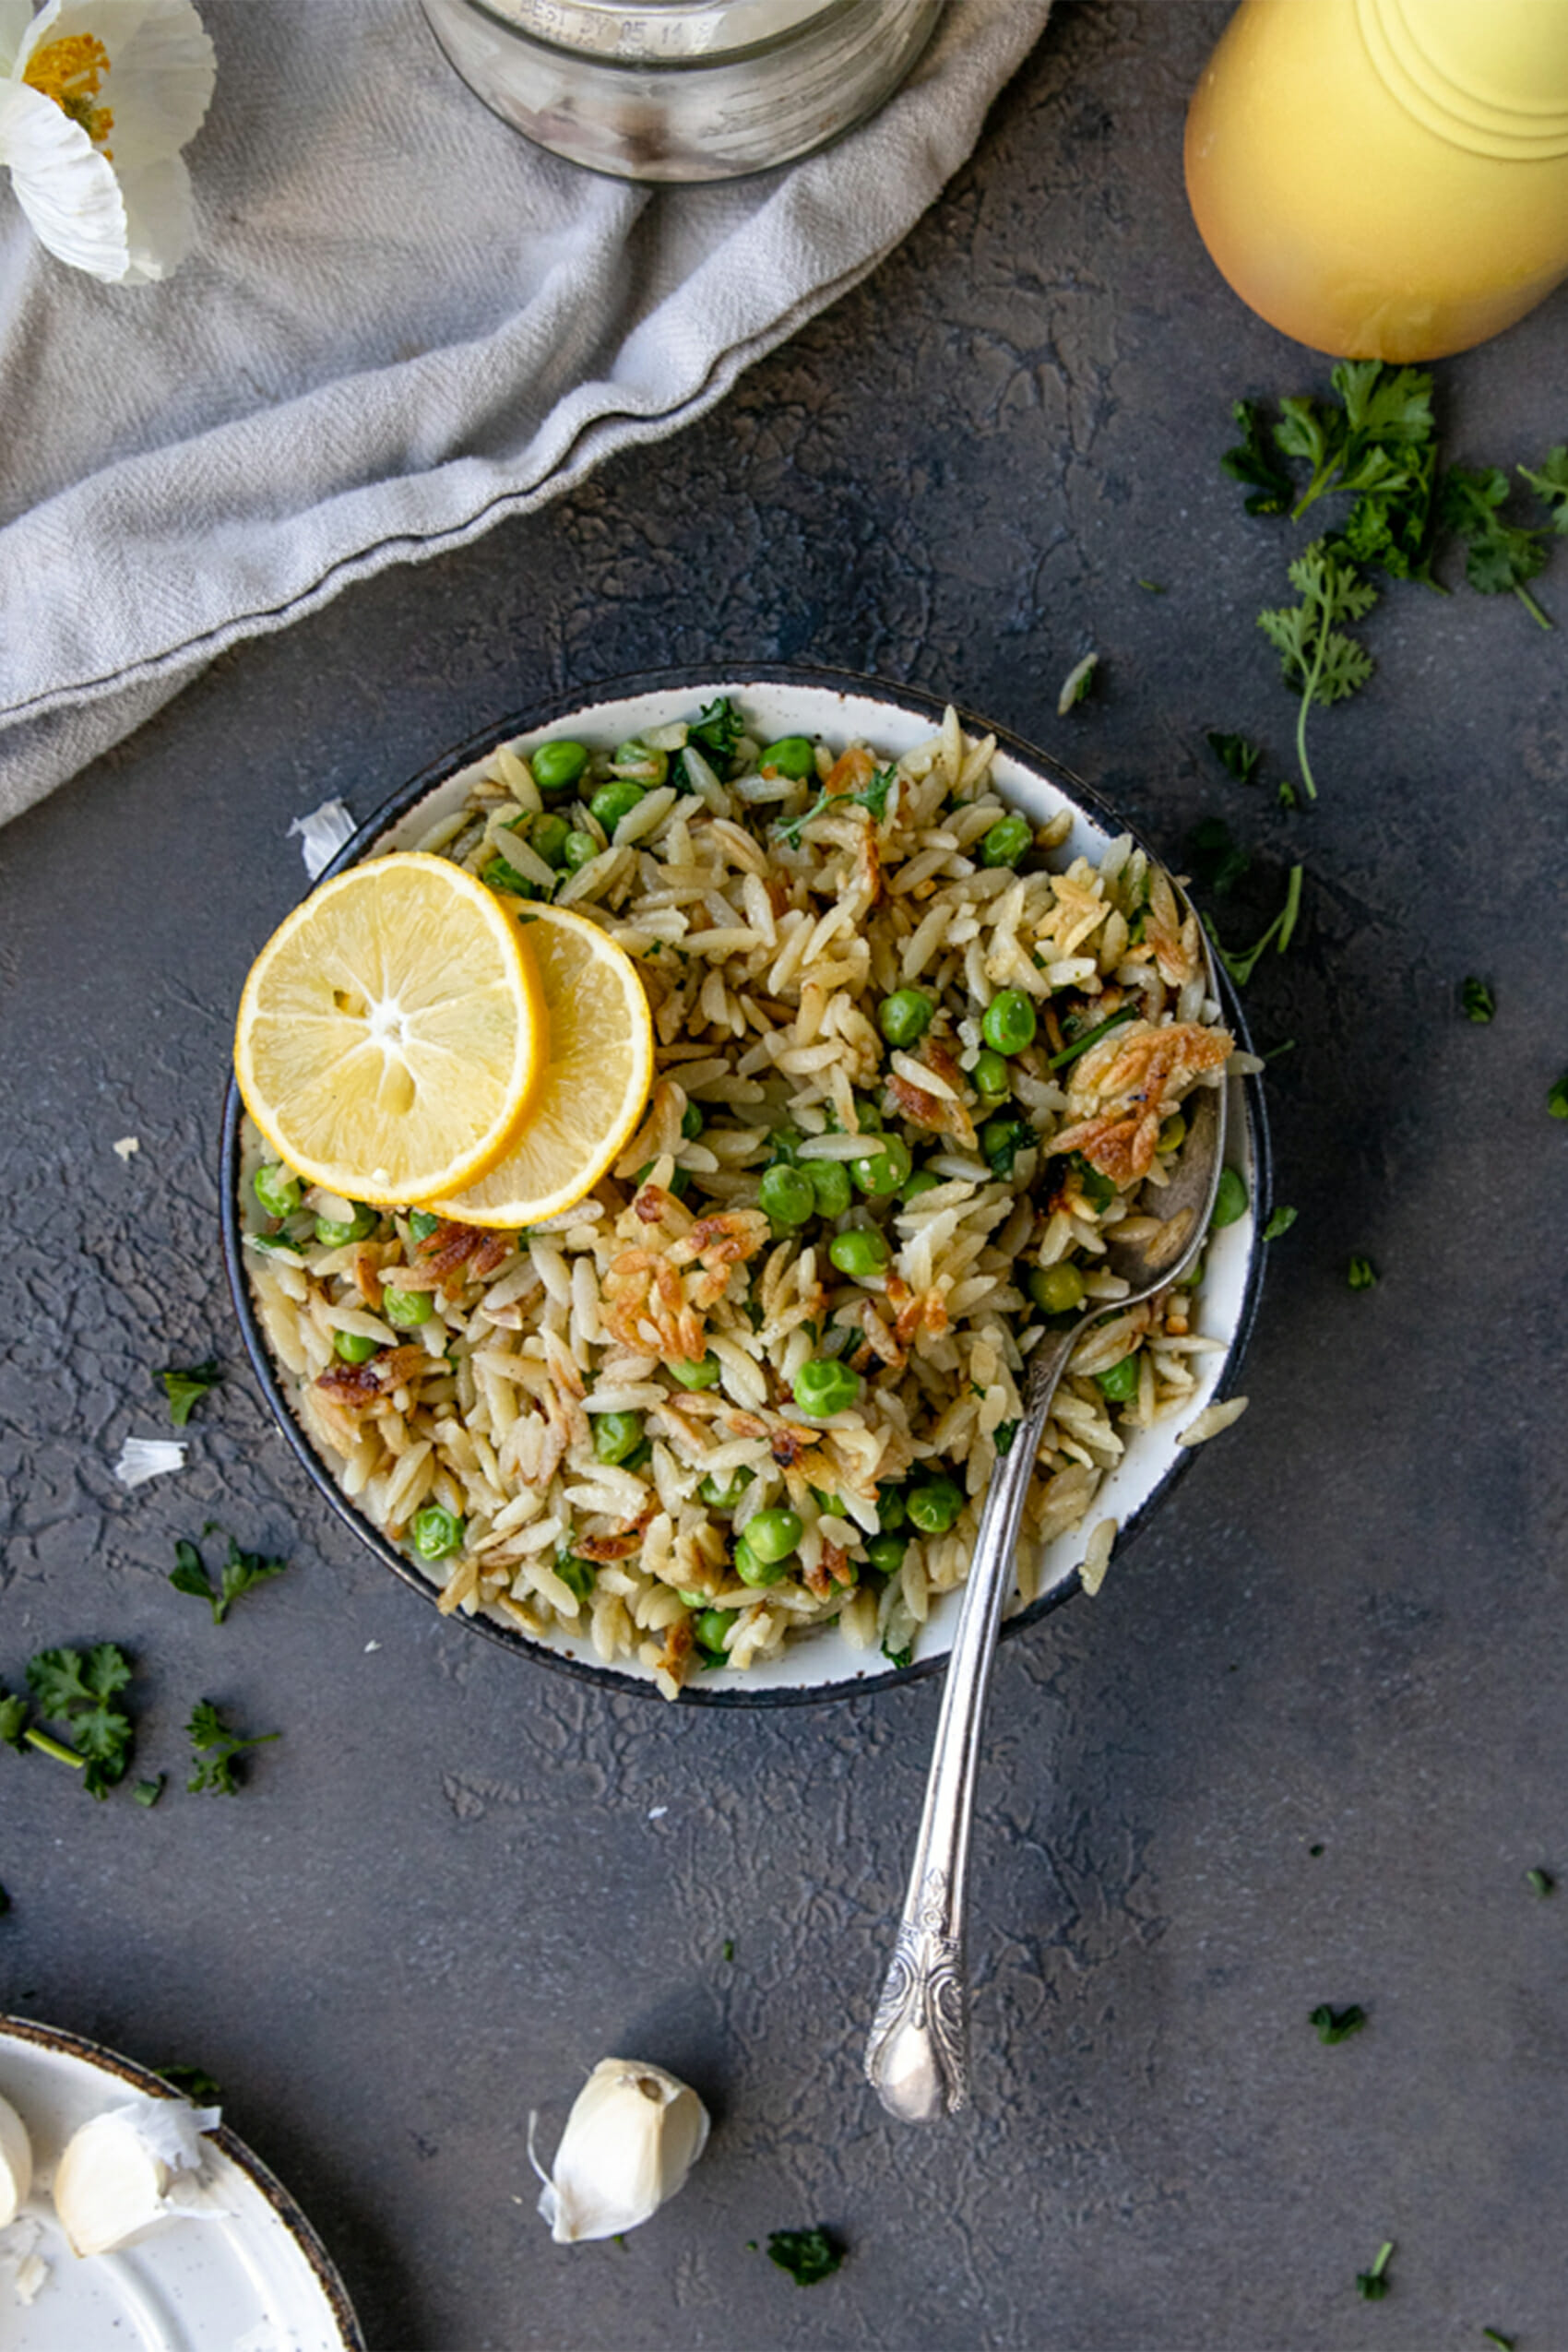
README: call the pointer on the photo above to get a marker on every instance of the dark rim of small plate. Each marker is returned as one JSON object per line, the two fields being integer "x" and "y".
{"x": 727, "y": 677}
{"x": 153, "y": 2086}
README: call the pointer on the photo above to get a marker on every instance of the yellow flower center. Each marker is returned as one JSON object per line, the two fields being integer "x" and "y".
{"x": 71, "y": 72}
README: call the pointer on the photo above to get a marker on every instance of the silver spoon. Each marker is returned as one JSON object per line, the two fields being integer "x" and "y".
{"x": 917, "y": 2058}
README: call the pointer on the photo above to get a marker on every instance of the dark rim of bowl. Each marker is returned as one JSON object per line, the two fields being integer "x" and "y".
{"x": 142, "y": 2078}
{"x": 725, "y": 677}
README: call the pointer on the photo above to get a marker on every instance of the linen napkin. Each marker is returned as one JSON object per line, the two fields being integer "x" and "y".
{"x": 402, "y": 323}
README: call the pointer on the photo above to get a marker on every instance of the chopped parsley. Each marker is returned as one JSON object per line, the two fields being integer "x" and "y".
{"x": 1549, "y": 482}
{"x": 1241, "y": 963}
{"x": 1333, "y": 2026}
{"x": 187, "y": 1386}
{"x": 1236, "y": 755}
{"x": 871, "y": 796}
{"x": 239, "y": 1571}
{"x": 191, "y": 2082}
{"x": 1279, "y": 1223}
{"x": 809, "y": 2255}
{"x": 718, "y": 729}
{"x": 1092, "y": 1037}
{"x": 1373, "y": 2285}
{"x": 1499, "y": 557}
{"x": 1003, "y": 1436}
{"x": 1477, "y": 1001}
{"x": 214, "y": 1748}
{"x": 1540, "y": 1883}
{"x": 1215, "y": 857}
{"x": 898, "y": 1659}
{"x": 1557, "y": 1099}
{"x": 148, "y": 1792}
{"x": 1360, "y": 1273}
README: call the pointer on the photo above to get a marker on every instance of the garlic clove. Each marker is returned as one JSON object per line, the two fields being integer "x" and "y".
{"x": 16, "y": 2164}
{"x": 113, "y": 2183}
{"x": 634, "y": 2134}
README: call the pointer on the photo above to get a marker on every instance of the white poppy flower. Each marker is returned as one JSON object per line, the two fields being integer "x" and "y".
{"x": 96, "y": 98}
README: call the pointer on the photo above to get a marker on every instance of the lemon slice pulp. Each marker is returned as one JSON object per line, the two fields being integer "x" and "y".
{"x": 391, "y": 1031}
{"x": 593, "y": 1089}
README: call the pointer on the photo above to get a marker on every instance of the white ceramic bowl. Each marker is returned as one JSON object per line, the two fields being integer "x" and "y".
{"x": 797, "y": 702}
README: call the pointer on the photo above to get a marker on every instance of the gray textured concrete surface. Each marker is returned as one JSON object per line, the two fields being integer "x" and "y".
{"x": 450, "y": 1888}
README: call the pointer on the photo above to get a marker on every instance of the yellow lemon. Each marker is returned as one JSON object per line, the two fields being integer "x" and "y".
{"x": 391, "y": 1031}
{"x": 593, "y": 1089}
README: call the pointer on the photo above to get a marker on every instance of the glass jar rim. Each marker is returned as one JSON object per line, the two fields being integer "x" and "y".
{"x": 660, "y": 35}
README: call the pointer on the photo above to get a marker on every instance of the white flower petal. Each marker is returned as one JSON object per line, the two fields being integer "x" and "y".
{"x": 15, "y": 16}
{"x": 160, "y": 219}
{"x": 63, "y": 186}
{"x": 161, "y": 70}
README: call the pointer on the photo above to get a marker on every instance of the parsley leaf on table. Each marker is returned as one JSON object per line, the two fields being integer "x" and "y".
{"x": 1549, "y": 482}
{"x": 1477, "y": 1001}
{"x": 808, "y": 2255}
{"x": 241, "y": 1570}
{"x": 1215, "y": 857}
{"x": 1499, "y": 555}
{"x": 1279, "y": 1223}
{"x": 215, "y": 1748}
{"x": 185, "y": 1386}
{"x": 1372, "y": 2285}
{"x": 1557, "y": 1098}
{"x": 1360, "y": 1273}
{"x": 1315, "y": 654}
{"x": 1241, "y": 963}
{"x": 82, "y": 1693}
{"x": 1372, "y": 443}
{"x": 1236, "y": 754}
{"x": 1270, "y": 489}
{"x": 1337, "y": 2025}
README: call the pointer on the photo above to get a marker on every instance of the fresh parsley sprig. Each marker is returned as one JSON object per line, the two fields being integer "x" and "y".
{"x": 239, "y": 1571}
{"x": 80, "y": 1693}
{"x": 808, "y": 2255}
{"x": 871, "y": 796}
{"x": 1500, "y": 556}
{"x": 1550, "y": 482}
{"x": 185, "y": 1385}
{"x": 1333, "y": 2026}
{"x": 1241, "y": 963}
{"x": 1269, "y": 486}
{"x": 1316, "y": 655}
{"x": 214, "y": 1748}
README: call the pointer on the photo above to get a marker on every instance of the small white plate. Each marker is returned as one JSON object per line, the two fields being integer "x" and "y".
{"x": 256, "y": 2280}
{"x": 893, "y": 719}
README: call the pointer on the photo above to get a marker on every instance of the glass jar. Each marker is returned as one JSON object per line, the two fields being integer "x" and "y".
{"x": 682, "y": 89}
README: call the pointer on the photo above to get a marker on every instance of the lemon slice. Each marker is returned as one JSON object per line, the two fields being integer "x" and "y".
{"x": 593, "y": 1089}
{"x": 391, "y": 1031}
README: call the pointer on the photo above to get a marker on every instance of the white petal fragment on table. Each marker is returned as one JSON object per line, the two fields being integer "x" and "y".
{"x": 67, "y": 190}
{"x": 160, "y": 76}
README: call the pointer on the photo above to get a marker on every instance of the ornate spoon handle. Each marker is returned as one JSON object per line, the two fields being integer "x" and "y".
{"x": 917, "y": 2055}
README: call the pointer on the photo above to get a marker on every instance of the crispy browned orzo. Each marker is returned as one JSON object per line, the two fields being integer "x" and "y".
{"x": 691, "y": 1419}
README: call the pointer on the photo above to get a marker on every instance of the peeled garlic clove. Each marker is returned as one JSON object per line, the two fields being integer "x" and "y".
{"x": 111, "y": 2184}
{"x": 631, "y": 2137}
{"x": 16, "y": 2164}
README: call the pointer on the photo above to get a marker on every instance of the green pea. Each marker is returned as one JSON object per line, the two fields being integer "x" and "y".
{"x": 1007, "y": 842}
{"x": 556, "y": 765}
{"x": 691, "y": 1599}
{"x": 640, "y": 763}
{"x": 1121, "y": 1382}
{"x": 691, "y": 1121}
{"x": 830, "y": 1186}
{"x": 723, "y": 1495}
{"x": 992, "y": 1078}
{"x": 613, "y": 802}
{"x": 336, "y": 1230}
{"x": 923, "y": 1181}
{"x": 1008, "y": 1025}
{"x": 354, "y": 1347}
{"x": 870, "y": 1116}
{"x": 423, "y": 1223}
{"x": 704, "y": 1374}
{"x": 786, "y": 1195}
{"x": 712, "y": 1627}
{"x": 774, "y": 1535}
{"x": 579, "y": 1576}
{"x": 935, "y": 1507}
{"x": 277, "y": 1189}
{"x": 436, "y": 1533}
{"x": 859, "y": 1253}
{"x": 1173, "y": 1134}
{"x": 905, "y": 1017}
{"x": 785, "y": 1146}
{"x": 548, "y": 836}
{"x": 1001, "y": 1141}
{"x": 580, "y": 848}
{"x": 890, "y": 1508}
{"x": 499, "y": 875}
{"x": 615, "y": 1435}
{"x": 753, "y": 1571}
{"x": 823, "y": 1385}
{"x": 885, "y": 1552}
{"x": 885, "y": 1170}
{"x": 1230, "y": 1199}
{"x": 407, "y": 1309}
{"x": 1055, "y": 1290}
{"x": 791, "y": 755}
